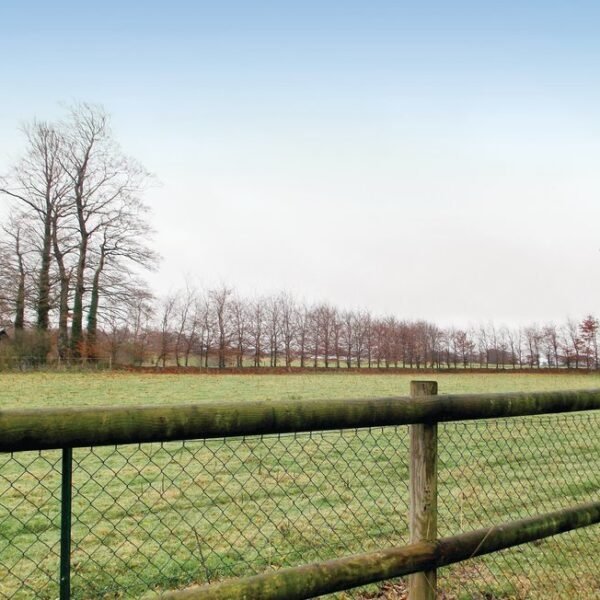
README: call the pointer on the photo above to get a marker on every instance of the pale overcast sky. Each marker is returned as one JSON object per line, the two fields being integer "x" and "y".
{"x": 431, "y": 159}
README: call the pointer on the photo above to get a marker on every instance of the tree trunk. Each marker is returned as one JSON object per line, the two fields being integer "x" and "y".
{"x": 63, "y": 304}
{"x": 77, "y": 322}
{"x": 20, "y": 298}
{"x": 43, "y": 302}
{"x": 63, "y": 318}
{"x": 92, "y": 321}
{"x": 20, "y": 303}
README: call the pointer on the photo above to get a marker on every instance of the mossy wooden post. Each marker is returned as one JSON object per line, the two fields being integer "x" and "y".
{"x": 423, "y": 491}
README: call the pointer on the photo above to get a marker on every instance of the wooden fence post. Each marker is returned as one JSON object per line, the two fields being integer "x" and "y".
{"x": 423, "y": 492}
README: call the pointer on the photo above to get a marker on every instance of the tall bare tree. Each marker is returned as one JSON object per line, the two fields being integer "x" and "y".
{"x": 220, "y": 300}
{"x": 103, "y": 189}
{"x": 18, "y": 267}
{"x": 38, "y": 183}
{"x": 289, "y": 323}
{"x": 240, "y": 325}
{"x": 121, "y": 244}
{"x": 165, "y": 332}
{"x": 256, "y": 329}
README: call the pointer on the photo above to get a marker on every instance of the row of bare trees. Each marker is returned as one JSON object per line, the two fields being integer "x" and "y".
{"x": 76, "y": 232}
{"x": 220, "y": 328}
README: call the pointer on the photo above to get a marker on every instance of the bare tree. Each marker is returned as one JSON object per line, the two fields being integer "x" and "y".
{"x": 184, "y": 314}
{"x": 289, "y": 326}
{"x": 336, "y": 333}
{"x": 533, "y": 338}
{"x": 323, "y": 318}
{"x": 18, "y": 267}
{"x": 241, "y": 326}
{"x": 122, "y": 244}
{"x": 434, "y": 340}
{"x": 361, "y": 323}
{"x": 446, "y": 344}
{"x": 273, "y": 321}
{"x": 256, "y": 329}
{"x": 589, "y": 336}
{"x": 165, "y": 333}
{"x": 551, "y": 344}
{"x": 206, "y": 328}
{"x": 483, "y": 346}
{"x": 368, "y": 333}
{"x": 347, "y": 335}
{"x": 303, "y": 331}
{"x": 103, "y": 188}
{"x": 513, "y": 341}
{"x": 139, "y": 322}
{"x": 194, "y": 327}
{"x": 572, "y": 344}
{"x": 314, "y": 335}
{"x": 38, "y": 183}
{"x": 64, "y": 244}
{"x": 220, "y": 300}
{"x": 6, "y": 285}
{"x": 463, "y": 346}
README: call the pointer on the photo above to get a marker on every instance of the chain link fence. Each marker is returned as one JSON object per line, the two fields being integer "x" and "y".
{"x": 152, "y": 517}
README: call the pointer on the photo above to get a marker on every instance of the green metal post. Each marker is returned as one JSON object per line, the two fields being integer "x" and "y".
{"x": 65, "y": 524}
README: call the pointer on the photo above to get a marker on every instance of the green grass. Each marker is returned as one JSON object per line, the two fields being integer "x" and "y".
{"x": 85, "y": 389}
{"x": 157, "y": 516}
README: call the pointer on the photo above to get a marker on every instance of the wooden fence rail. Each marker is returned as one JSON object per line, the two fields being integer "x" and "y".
{"x": 308, "y": 581}
{"x": 47, "y": 428}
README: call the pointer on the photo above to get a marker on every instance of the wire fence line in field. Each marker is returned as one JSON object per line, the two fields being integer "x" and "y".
{"x": 515, "y": 468}
{"x": 157, "y": 516}
{"x": 250, "y": 366}
{"x": 29, "y": 362}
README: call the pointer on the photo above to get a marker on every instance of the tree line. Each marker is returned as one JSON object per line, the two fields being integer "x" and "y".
{"x": 221, "y": 328}
{"x": 78, "y": 237}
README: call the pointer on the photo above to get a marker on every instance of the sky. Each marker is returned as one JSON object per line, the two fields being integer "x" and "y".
{"x": 432, "y": 160}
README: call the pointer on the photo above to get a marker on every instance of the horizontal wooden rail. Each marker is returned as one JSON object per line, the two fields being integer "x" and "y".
{"x": 39, "y": 429}
{"x": 308, "y": 581}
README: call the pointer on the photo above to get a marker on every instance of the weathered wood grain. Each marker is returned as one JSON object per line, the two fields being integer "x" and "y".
{"x": 38, "y": 429}
{"x": 423, "y": 491}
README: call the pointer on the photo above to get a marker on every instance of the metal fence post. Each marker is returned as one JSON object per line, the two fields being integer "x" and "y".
{"x": 423, "y": 492}
{"x": 65, "y": 523}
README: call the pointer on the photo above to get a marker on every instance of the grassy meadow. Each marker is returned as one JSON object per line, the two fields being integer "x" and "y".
{"x": 43, "y": 389}
{"x": 155, "y": 516}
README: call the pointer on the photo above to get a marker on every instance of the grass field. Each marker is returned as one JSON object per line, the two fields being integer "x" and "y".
{"x": 85, "y": 389}
{"x": 155, "y": 516}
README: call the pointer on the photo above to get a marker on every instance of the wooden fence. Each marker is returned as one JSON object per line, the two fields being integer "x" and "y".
{"x": 68, "y": 428}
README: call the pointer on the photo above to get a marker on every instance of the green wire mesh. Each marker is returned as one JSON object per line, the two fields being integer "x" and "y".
{"x": 152, "y": 517}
